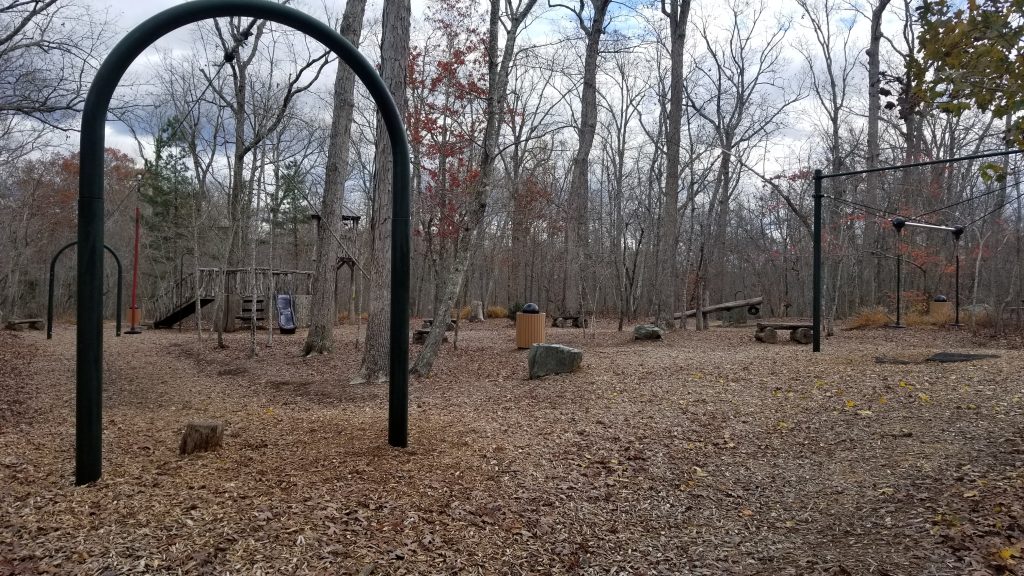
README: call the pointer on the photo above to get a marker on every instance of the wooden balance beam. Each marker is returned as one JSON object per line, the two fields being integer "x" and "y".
{"x": 723, "y": 307}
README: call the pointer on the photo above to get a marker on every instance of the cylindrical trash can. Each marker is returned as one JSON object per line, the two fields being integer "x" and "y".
{"x": 529, "y": 327}
{"x": 940, "y": 310}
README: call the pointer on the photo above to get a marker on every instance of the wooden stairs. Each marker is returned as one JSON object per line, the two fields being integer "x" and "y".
{"x": 178, "y": 300}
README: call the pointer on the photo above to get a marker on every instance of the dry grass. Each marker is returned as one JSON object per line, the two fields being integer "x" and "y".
{"x": 873, "y": 317}
{"x": 496, "y": 312}
{"x": 703, "y": 454}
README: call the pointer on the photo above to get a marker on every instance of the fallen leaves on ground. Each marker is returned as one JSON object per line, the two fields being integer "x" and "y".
{"x": 707, "y": 453}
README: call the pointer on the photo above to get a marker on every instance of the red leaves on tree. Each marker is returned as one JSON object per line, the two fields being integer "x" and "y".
{"x": 447, "y": 88}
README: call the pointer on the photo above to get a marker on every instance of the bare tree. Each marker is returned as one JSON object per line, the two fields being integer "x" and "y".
{"x": 678, "y": 14}
{"x": 473, "y": 227}
{"x": 320, "y": 337}
{"x": 48, "y": 52}
{"x": 742, "y": 96}
{"x": 576, "y": 235}
{"x": 394, "y": 56}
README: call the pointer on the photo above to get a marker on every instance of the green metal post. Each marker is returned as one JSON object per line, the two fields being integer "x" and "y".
{"x": 816, "y": 304}
{"x": 89, "y": 360}
{"x": 49, "y": 295}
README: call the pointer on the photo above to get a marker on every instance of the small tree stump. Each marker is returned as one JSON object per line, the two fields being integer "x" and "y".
{"x": 201, "y": 437}
{"x": 801, "y": 335}
{"x": 477, "y": 311}
{"x": 767, "y": 335}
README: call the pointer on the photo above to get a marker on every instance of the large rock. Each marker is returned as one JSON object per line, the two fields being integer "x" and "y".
{"x": 647, "y": 332}
{"x": 553, "y": 359}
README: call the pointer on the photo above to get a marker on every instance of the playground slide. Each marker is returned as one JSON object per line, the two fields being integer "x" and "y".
{"x": 285, "y": 314}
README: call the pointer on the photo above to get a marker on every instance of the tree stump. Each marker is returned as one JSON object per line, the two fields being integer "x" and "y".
{"x": 201, "y": 437}
{"x": 801, "y": 335}
{"x": 476, "y": 311}
{"x": 767, "y": 335}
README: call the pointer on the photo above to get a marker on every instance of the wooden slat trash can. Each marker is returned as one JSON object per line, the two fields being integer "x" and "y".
{"x": 529, "y": 329}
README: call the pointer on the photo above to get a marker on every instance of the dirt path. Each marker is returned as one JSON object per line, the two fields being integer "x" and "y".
{"x": 704, "y": 454}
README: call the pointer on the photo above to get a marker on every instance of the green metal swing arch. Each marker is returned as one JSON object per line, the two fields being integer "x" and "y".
{"x": 89, "y": 350}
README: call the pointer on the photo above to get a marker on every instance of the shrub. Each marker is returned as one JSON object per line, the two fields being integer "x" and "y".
{"x": 873, "y": 317}
{"x": 464, "y": 313}
{"x": 513, "y": 309}
{"x": 496, "y": 312}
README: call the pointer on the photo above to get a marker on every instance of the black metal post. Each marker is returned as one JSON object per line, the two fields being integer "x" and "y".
{"x": 958, "y": 231}
{"x": 120, "y": 291}
{"x": 49, "y": 296}
{"x": 816, "y": 304}
{"x": 89, "y": 359}
{"x": 898, "y": 224}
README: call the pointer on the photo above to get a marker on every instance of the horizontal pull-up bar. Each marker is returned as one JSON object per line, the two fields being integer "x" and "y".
{"x": 823, "y": 176}
{"x": 899, "y": 223}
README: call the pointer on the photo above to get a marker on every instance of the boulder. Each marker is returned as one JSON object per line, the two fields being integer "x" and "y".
{"x": 647, "y": 332}
{"x": 548, "y": 359}
{"x": 976, "y": 313}
{"x": 801, "y": 335}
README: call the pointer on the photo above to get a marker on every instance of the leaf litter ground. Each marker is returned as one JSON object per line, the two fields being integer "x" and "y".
{"x": 707, "y": 453}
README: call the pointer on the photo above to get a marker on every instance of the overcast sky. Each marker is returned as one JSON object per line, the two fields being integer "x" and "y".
{"x": 128, "y": 13}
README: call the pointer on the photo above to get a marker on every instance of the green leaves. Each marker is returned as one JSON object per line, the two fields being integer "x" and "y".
{"x": 976, "y": 59}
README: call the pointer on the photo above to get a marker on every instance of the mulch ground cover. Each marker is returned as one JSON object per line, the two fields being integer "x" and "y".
{"x": 705, "y": 453}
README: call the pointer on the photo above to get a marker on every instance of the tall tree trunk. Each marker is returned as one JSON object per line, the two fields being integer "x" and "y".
{"x": 320, "y": 337}
{"x": 394, "y": 51}
{"x": 678, "y": 13}
{"x": 576, "y": 234}
{"x": 873, "y": 147}
{"x": 473, "y": 229}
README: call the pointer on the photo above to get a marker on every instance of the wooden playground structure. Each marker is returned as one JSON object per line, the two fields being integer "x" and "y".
{"x": 246, "y": 292}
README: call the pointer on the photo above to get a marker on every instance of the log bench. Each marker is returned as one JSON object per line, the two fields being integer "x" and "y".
{"x": 419, "y": 336}
{"x": 32, "y": 323}
{"x": 570, "y": 322}
{"x": 429, "y": 322}
{"x": 799, "y": 332}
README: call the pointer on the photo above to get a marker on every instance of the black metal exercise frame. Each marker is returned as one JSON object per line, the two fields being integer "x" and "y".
{"x": 819, "y": 176}
{"x": 89, "y": 360}
{"x": 898, "y": 225}
{"x": 49, "y": 295}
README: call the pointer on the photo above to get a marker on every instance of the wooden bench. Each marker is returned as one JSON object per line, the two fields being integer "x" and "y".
{"x": 32, "y": 323}
{"x": 429, "y": 322}
{"x": 799, "y": 332}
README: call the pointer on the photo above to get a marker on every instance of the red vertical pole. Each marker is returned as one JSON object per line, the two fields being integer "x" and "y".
{"x": 135, "y": 276}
